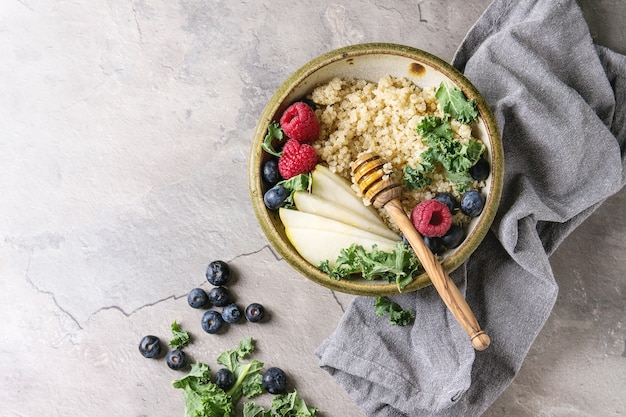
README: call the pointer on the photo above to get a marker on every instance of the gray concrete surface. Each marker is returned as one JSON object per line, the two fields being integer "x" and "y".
{"x": 125, "y": 132}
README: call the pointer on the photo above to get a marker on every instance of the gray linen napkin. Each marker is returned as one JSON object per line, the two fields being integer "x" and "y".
{"x": 560, "y": 104}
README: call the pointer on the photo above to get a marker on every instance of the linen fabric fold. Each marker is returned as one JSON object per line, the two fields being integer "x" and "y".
{"x": 560, "y": 104}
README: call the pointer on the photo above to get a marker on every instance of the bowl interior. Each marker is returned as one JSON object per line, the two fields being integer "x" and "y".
{"x": 371, "y": 62}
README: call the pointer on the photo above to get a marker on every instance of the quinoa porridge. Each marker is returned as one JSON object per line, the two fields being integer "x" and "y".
{"x": 360, "y": 116}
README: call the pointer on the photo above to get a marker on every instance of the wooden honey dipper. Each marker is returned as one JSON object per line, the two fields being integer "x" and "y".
{"x": 384, "y": 192}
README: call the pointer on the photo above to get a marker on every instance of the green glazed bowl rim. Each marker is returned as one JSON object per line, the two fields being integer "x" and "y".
{"x": 270, "y": 223}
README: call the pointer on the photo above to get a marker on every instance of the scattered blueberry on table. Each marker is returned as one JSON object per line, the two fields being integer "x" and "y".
{"x": 218, "y": 273}
{"x": 255, "y": 312}
{"x": 197, "y": 298}
{"x": 212, "y": 321}
{"x": 176, "y": 359}
{"x": 224, "y": 379}
{"x": 219, "y": 296}
{"x": 150, "y": 346}
{"x": 231, "y": 313}
{"x": 274, "y": 381}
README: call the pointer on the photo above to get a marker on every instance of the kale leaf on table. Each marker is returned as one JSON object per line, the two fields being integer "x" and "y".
{"x": 180, "y": 337}
{"x": 284, "y": 405}
{"x": 247, "y": 375}
{"x": 203, "y": 398}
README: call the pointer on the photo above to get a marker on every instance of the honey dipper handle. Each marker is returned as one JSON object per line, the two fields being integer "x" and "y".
{"x": 448, "y": 291}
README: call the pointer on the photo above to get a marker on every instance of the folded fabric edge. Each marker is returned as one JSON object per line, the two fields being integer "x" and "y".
{"x": 366, "y": 382}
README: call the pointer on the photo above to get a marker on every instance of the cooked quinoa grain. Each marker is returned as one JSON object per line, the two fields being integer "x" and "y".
{"x": 358, "y": 116}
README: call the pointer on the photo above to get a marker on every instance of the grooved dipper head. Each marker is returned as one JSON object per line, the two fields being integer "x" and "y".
{"x": 374, "y": 183}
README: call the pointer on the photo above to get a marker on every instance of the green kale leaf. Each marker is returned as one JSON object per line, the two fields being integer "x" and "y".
{"x": 274, "y": 131}
{"x": 284, "y": 405}
{"x": 433, "y": 126}
{"x": 418, "y": 177}
{"x": 462, "y": 180}
{"x": 205, "y": 399}
{"x": 247, "y": 375}
{"x": 397, "y": 266}
{"x": 251, "y": 409}
{"x": 454, "y": 103}
{"x": 202, "y": 397}
{"x": 180, "y": 337}
{"x": 397, "y": 316}
{"x": 300, "y": 182}
{"x": 456, "y": 157}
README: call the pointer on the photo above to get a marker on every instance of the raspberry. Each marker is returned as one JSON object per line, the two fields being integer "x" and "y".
{"x": 431, "y": 218}
{"x": 300, "y": 123}
{"x": 297, "y": 158}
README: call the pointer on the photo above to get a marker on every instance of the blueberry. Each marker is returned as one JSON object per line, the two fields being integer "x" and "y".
{"x": 275, "y": 197}
{"x": 219, "y": 296}
{"x": 434, "y": 244}
{"x": 150, "y": 346}
{"x": 231, "y": 313}
{"x": 480, "y": 170}
{"x": 255, "y": 312}
{"x": 472, "y": 203}
{"x": 176, "y": 359}
{"x": 224, "y": 379}
{"x": 274, "y": 381}
{"x": 270, "y": 172}
{"x": 218, "y": 273}
{"x": 453, "y": 237}
{"x": 449, "y": 200}
{"x": 212, "y": 321}
{"x": 197, "y": 298}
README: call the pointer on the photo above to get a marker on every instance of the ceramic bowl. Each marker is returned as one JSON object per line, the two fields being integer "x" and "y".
{"x": 371, "y": 62}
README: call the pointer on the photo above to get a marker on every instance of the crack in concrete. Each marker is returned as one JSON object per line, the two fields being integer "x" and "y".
{"x": 131, "y": 313}
{"x": 28, "y": 6}
{"x": 137, "y": 22}
{"x": 173, "y": 296}
{"x": 68, "y": 324}
{"x": 65, "y": 315}
{"x": 254, "y": 252}
{"x": 48, "y": 293}
{"x": 419, "y": 13}
{"x": 341, "y": 306}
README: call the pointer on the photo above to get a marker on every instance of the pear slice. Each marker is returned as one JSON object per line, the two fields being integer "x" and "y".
{"x": 334, "y": 187}
{"x": 319, "y": 239}
{"x": 314, "y": 204}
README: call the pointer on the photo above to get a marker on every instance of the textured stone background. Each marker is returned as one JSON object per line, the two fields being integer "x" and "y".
{"x": 123, "y": 171}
